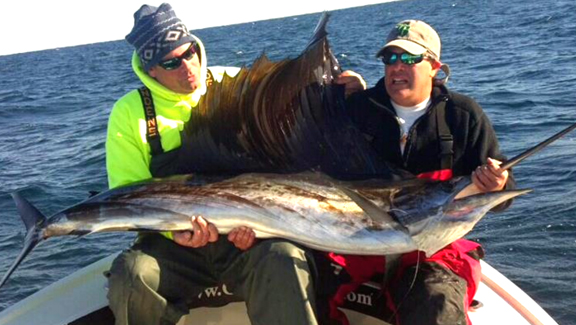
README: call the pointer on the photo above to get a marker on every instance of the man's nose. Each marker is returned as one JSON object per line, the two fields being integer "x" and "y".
{"x": 189, "y": 64}
{"x": 398, "y": 65}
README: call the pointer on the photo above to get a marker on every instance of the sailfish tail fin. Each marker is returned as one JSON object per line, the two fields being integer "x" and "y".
{"x": 34, "y": 221}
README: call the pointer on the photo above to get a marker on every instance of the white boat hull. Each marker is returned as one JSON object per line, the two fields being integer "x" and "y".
{"x": 81, "y": 299}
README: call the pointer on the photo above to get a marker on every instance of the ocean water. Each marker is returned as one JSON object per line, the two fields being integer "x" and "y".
{"x": 517, "y": 58}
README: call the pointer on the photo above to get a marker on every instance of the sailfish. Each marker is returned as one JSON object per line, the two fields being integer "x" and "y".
{"x": 273, "y": 149}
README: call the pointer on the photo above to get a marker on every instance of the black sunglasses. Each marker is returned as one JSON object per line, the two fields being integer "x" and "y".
{"x": 174, "y": 63}
{"x": 390, "y": 58}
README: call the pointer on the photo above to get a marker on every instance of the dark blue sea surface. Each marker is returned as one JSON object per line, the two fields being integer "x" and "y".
{"x": 517, "y": 58}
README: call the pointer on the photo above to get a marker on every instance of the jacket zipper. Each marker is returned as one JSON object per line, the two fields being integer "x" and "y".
{"x": 397, "y": 119}
{"x": 408, "y": 145}
{"x": 411, "y": 131}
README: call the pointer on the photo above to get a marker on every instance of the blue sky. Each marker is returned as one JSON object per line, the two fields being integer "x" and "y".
{"x": 36, "y": 25}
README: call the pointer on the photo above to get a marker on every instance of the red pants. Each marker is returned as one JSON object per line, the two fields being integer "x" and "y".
{"x": 409, "y": 296}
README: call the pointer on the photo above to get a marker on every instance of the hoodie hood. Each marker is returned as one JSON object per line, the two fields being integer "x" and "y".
{"x": 159, "y": 89}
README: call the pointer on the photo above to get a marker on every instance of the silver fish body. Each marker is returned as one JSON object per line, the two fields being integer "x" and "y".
{"x": 369, "y": 218}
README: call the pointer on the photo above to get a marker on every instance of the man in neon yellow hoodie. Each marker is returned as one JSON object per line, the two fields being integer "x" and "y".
{"x": 154, "y": 281}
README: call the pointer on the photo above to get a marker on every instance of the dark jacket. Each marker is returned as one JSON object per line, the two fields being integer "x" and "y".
{"x": 474, "y": 139}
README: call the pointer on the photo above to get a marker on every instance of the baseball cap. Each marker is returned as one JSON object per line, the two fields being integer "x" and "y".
{"x": 415, "y": 37}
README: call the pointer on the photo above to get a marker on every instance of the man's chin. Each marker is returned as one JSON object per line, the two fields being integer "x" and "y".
{"x": 400, "y": 95}
{"x": 188, "y": 88}
{"x": 193, "y": 86}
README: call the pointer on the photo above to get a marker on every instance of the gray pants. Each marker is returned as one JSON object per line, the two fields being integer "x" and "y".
{"x": 156, "y": 280}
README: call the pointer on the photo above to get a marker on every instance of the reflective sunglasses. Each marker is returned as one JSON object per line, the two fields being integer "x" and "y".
{"x": 390, "y": 58}
{"x": 174, "y": 63}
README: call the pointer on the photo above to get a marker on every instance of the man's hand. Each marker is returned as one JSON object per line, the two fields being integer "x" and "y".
{"x": 352, "y": 82}
{"x": 202, "y": 233}
{"x": 242, "y": 237}
{"x": 489, "y": 177}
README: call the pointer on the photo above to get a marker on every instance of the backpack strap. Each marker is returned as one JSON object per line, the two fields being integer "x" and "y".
{"x": 152, "y": 134}
{"x": 445, "y": 137}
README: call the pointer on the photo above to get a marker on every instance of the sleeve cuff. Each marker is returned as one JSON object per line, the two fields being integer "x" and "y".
{"x": 167, "y": 234}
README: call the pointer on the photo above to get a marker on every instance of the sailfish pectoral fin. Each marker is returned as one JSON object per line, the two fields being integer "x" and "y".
{"x": 378, "y": 215}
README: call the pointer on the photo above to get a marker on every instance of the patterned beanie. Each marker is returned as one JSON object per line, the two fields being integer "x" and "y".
{"x": 156, "y": 32}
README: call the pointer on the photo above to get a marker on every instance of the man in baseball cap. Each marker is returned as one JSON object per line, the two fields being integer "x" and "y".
{"x": 417, "y": 124}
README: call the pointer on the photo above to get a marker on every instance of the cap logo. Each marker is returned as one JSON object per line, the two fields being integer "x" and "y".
{"x": 403, "y": 29}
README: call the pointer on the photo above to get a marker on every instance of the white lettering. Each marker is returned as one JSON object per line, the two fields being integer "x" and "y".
{"x": 225, "y": 290}
{"x": 210, "y": 292}
{"x": 215, "y": 291}
{"x": 359, "y": 298}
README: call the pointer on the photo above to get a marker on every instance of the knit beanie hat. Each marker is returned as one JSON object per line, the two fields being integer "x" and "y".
{"x": 156, "y": 32}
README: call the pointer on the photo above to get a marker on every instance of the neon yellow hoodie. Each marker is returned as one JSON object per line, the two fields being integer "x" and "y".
{"x": 127, "y": 150}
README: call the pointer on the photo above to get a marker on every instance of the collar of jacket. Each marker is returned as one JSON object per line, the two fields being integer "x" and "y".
{"x": 159, "y": 90}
